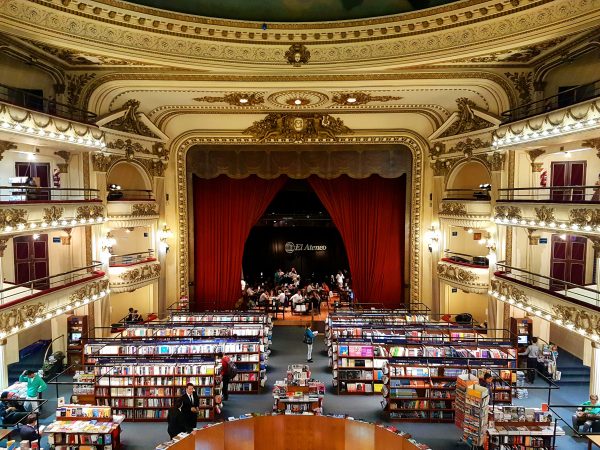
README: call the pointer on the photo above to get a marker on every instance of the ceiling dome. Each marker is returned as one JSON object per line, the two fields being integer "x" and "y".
{"x": 266, "y": 11}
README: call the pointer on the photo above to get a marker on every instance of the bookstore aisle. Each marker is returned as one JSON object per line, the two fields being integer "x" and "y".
{"x": 287, "y": 348}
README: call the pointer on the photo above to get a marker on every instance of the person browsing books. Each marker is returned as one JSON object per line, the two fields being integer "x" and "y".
{"x": 226, "y": 374}
{"x": 309, "y": 337}
{"x": 532, "y": 352}
{"x": 189, "y": 407}
{"x": 176, "y": 419}
{"x": 29, "y": 431}
{"x": 10, "y": 411}
{"x": 487, "y": 381}
{"x": 35, "y": 386}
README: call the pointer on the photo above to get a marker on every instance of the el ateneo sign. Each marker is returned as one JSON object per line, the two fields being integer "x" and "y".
{"x": 290, "y": 247}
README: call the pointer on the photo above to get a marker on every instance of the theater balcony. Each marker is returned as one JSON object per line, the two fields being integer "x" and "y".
{"x": 571, "y": 209}
{"x": 32, "y": 209}
{"x": 466, "y": 272}
{"x": 131, "y": 206}
{"x": 466, "y": 207}
{"x": 28, "y": 304}
{"x": 573, "y": 114}
{"x": 132, "y": 271}
{"x": 574, "y": 307}
{"x": 27, "y": 118}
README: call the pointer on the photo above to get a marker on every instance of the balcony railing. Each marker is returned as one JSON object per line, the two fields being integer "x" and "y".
{"x": 465, "y": 259}
{"x": 563, "y": 99}
{"x": 29, "y": 100}
{"x": 131, "y": 259}
{"x": 129, "y": 194}
{"x": 33, "y": 194}
{"x": 467, "y": 194}
{"x": 42, "y": 286}
{"x": 556, "y": 194}
{"x": 586, "y": 295}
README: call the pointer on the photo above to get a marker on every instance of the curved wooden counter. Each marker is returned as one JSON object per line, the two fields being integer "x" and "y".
{"x": 294, "y": 433}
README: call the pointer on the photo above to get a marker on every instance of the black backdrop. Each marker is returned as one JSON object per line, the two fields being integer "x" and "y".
{"x": 265, "y": 252}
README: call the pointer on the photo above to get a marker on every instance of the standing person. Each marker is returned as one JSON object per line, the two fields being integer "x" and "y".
{"x": 487, "y": 381}
{"x": 35, "y": 386}
{"x": 339, "y": 279}
{"x": 225, "y": 374}
{"x": 129, "y": 318}
{"x": 175, "y": 419}
{"x": 309, "y": 337}
{"x": 189, "y": 407}
{"x": 532, "y": 352}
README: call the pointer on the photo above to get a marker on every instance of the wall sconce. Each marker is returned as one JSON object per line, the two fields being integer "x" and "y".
{"x": 163, "y": 236}
{"x": 432, "y": 238}
{"x": 108, "y": 243}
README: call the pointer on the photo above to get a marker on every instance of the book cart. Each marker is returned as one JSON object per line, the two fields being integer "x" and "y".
{"x": 84, "y": 427}
{"x": 298, "y": 393}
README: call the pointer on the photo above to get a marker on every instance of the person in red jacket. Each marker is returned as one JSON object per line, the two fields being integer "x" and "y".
{"x": 225, "y": 374}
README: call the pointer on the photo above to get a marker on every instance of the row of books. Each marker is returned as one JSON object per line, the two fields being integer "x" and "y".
{"x": 96, "y": 349}
{"x": 84, "y": 411}
{"x": 168, "y": 330}
{"x": 155, "y": 381}
{"x": 157, "y": 369}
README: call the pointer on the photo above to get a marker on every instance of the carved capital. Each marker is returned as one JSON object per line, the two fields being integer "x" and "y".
{"x": 496, "y": 161}
{"x": 3, "y": 244}
{"x": 101, "y": 162}
{"x": 440, "y": 167}
{"x": 4, "y": 146}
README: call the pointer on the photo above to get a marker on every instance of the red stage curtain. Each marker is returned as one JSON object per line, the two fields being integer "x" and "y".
{"x": 225, "y": 210}
{"x": 369, "y": 214}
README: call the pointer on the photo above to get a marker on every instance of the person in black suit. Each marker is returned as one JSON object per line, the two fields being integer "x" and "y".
{"x": 175, "y": 419}
{"x": 189, "y": 407}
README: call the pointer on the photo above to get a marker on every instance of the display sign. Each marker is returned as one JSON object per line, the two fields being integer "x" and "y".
{"x": 56, "y": 240}
{"x": 543, "y": 240}
{"x": 290, "y": 247}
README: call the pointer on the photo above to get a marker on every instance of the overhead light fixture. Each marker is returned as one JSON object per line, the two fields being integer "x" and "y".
{"x": 243, "y": 100}
{"x": 351, "y": 100}
{"x": 297, "y": 101}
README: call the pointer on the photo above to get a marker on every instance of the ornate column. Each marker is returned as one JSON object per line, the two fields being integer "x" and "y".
{"x": 495, "y": 308}
{"x": 440, "y": 170}
{"x": 596, "y": 271}
{"x": 3, "y": 365}
{"x": 160, "y": 290}
{"x": 595, "y": 369}
{"x": 3, "y": 244}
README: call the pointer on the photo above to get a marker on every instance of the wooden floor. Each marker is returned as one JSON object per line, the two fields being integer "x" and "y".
{"x": 297, "y": 319}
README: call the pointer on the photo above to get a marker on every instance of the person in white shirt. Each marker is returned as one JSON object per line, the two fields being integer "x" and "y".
{"x": 280, "y": 298}
{"x": 532, "y": 352}
{"x": 339, "y": 279}
{"x": 296, "y": 300}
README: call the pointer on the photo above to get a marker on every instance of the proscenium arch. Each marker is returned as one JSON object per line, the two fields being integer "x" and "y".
{"x": 415, "y": 143}
{"x": 480, "y": 174}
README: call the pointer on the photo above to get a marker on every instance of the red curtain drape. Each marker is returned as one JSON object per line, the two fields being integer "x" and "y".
{"x": 369, "y": 214}
{"x": 225, "y": 210}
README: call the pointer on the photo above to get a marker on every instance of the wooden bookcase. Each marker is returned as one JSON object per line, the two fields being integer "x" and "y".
{"x": 145, "y": 391}
{"x": 521, "y": 328}
{"x": 77, "y": 334}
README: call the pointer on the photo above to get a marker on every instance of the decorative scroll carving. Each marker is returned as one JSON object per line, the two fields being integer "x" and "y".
{"x": 53, "y": 213}
{"x": 154, "y": 167}
{"x": 144, "y": 209}
{"x": 579, "y": 317}
{"x": 509, "y": 291}
{"x": 584, "y": 216}
{"x": 3, "y": 244}
{"x": 89, "y": 290}
{"x": 440, "y": 167}
{"x": 17, "y": 317}
{"x": 89, "y": 212}
{"x": 101, "y": 162}
{"x": 454, "y": 209}
{"x": 533, "y": 155}
{"x": 594, "y": 143}
{"x": 141, "y": 273}
{"x": 523, "y": 84}
{"x": 130, "y": 147}
{"x": 511, "y": 212}
{"x": 533, "y": 239}
{"x": 437, "y": 149}
{"x": 130, "y": 122}
{"x": 361, "y": 98}
{"x": 297, "y": 55}
{"x": 75, "y": 85}
{"x": 4, "y": 146}
{"x": 12, "y": 217}
{"x": 545, "y": 214}
{"x": 455, "y": 273}
{"x": 235, "y": 99}
{"x": 467, "y": 146}
{"x": 298, "y": 127}
{"x": 496, "y": 161}
{"x": 467, "y": 120}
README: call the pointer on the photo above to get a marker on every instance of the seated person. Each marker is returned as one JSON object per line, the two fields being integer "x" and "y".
{"x": 263, "y": 300}
{"x": 11, "y": 411}
{"x": 29, "y": 431}
{"x": 587, "y": 415}
{"x": 280, "y": 300}
{"x": 296, "y": 300}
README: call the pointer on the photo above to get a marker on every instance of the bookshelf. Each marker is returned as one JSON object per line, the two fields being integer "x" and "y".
{"x": 244, "y": 332}
{"x": 521, "y": 331}
{"x": 298, "y": 393}
{"x": 144, "y": 391}
{"x": 521, "y": 428}
{"x": 475, "y": 419}
{"x": 83, "y": 387}
{"x": 248, "y": 354}
{"x": 84, "y": 427}
{"x": 77, "y": 333}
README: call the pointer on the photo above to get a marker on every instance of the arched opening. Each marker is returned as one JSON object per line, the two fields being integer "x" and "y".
{"x": 296, "y": 231}
{"x": 127, "y": 180}
{"x": 468, "y": 175}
